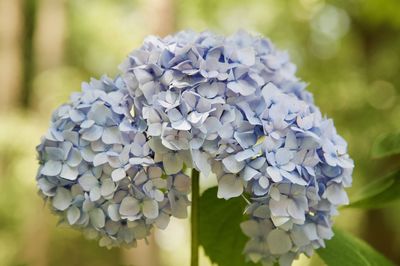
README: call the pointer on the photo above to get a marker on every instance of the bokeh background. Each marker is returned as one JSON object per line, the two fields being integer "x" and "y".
{"x": 348, "y": 51}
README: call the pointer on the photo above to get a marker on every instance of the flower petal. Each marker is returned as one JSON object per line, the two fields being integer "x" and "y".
{"x": 51, "y": 168}
{"x": 118, "y": 174}
{"x": 150, "y": 208}
{"x": 129, "y": 207}
{"x": 229, "y": 186}
{"x": 62, "y": 200}
{"x": 279, "y": 242}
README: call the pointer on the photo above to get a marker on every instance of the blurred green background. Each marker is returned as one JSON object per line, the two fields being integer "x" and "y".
{"x": 348, "y": 51}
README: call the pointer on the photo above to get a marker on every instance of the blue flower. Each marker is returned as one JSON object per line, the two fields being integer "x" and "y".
{"x": 112, "y": 160}
{"x": 235, "y": 107}
{"x": 99, "y": 172}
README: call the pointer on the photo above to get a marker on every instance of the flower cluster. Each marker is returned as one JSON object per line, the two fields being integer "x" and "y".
{"x": 231, "y": 107}
{"x": 237, "y": 106}
{"x": 98, "y": 169}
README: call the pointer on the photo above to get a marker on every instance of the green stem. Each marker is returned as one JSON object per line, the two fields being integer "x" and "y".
{"x": 195, "y": 218}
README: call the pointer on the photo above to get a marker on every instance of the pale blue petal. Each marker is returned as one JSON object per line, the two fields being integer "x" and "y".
{"x": 62, "y": 200}
{"x": 279, "y": 242}
{"x": 229, "y": 186}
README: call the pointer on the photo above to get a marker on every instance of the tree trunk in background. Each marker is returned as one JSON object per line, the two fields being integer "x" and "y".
{"x": 50, "y": 34}
{"x": 29, "y": 21}
{"x": 162, "y": 21}
{"x": 10, "y": 53}
{"x": 44, "y": 49}
{"x": 34, "y": 250}
{"x": 161, "y": 15}
{"x": 377, "y": 229}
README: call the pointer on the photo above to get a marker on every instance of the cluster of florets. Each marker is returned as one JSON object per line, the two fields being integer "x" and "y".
{"x": 99, "y": 171}
{"x": 231, "y": 107}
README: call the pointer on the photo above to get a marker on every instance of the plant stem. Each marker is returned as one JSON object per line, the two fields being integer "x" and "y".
{"x": 195, "y": 218}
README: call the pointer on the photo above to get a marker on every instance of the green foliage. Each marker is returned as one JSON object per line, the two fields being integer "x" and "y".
{"x": 223, "y": 241}
{"x": 379, "y": 193}
{"x": 220, "y": 233}
{"x": 346, "y": 250}
{"x": 386, "y": 145}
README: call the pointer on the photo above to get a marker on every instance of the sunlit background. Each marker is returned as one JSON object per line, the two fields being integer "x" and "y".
{"x": 348, "y": 51}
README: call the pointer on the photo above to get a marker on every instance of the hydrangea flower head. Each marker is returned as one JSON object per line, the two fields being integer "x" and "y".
{"x": 228, "y": 106}
{"x": 98, "y": 169}
{"x": 237, "y": 106}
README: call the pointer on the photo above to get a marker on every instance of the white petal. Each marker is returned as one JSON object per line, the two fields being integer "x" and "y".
{"x": 182, "y": 183}
{"x": 279, "y": 242}
{"x": 242, "y": 87}
{"x": 229, "y": 186}
{"x": 87, "y": 124}
{"x": 263, "y": 181}
{"x": 279, "y": 207}
{"x": 107, "y": 187}
{"x": 245, "y": 139}
{"x": 112, "y": 227}
{"x": 97, "y": 218}
{"x": 93, "y": 133}
{"x": 154, "y": 129}
{"x": 279, "y": 220}
{"x": 76, "y": 115}
{"x": 178, "y": 207}
{"x": 87, "y": 154}
{"x": 154, "y": 172}
{"x": 274, "y": 193}
{"x": 295, "y": 211}
{"x": 54, "y": 153}
{"x": 150, "y": 208}
{"x": 62, "y": 199}
{"x": 73, "y": 214}
{"x": 299, "y": 237}
{"x": 283, "y": 156}
{"x": 100, "y": 158}
{"x": 262, "y": 212}
{"x": 129, "y": 207}
{"x": 111, "y": 135}
{"x": 246, "y": 154}
{"x": 250, "y": 228}
{"x": 51, "y": 168}
{"x": 232, "y": 165}
{"x": 212, "y": 124}
{"x": 74, "y": 158}
{"x": 118, "y": 174}
{"x": 246, "y": 56}
{"x": 249, "y": 173}
{"x": 71, "y": 136}
{"x": 336, "y": 194}
{"x": 171, "y": 163}
{"x": 200, "y": 159}
{"x": 69, "y": 173}
{"x": 311, "y": 231}
{"x": 88, "y": 182}
{"x": 162, "y": 220}
{"x": 274, "y": 173}
{"x": 113, "y": 212}
{"x": 181, "y": 125}
{"x": 94, "y": 194}
{"x": 99, "y": 113}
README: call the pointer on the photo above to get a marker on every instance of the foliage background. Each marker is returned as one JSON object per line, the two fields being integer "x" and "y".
{"x": 348, "y": 51}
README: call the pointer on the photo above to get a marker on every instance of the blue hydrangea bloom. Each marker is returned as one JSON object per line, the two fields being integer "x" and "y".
{"x": 98, "y": 170}
{"x": 233, "y": 107}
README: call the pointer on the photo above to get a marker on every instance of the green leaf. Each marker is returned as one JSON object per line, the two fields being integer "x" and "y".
{"x": 220, "y": 233}
{"x": 346, "y": 250}
{"x": 386, "y": 145}
{"x": 379, "y": 193}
